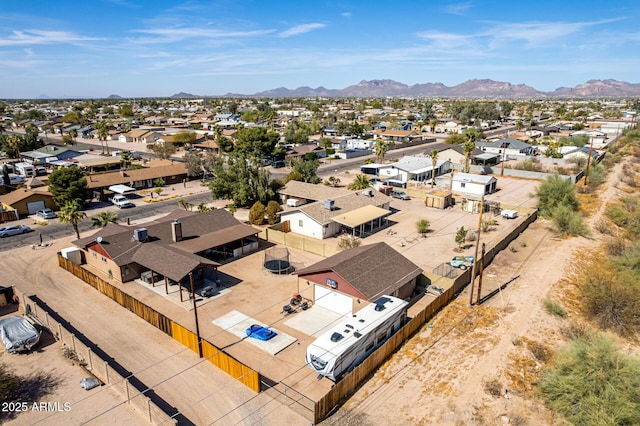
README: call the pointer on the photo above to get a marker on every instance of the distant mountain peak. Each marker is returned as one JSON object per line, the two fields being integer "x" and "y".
{"x": 183, "y": 95}
{"x": 114, "y": 97}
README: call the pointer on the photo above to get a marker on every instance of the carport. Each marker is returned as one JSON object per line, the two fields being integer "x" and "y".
{"x": 121, "y": 189}
{"x": 364, "y": 220}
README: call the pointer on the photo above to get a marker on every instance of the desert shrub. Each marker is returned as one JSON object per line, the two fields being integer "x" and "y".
{"x": 628, "y": 258}
{"x": 272, "y": 210}
{"x": 493, "y": 387}
{"x": 593, "y": 383}
{"x": 488, "y": 224}
{"x": 615, "y": 246}
{"x": 349, "y": 242}
{"x": 422, "y": 226}
{"x": 555, "y": 191}
{"x": 611, "y": 296}
{"x": 604, "y": 227}
{"x": 256, "y": 213}
{"x": 554, "y": 308}
{"x": 597, "y": 174}
{"x": 568, "y": 222}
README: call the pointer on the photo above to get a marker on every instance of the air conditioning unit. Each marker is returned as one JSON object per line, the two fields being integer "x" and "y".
{"x": 328, "y": 204}
{"x": 140, "y": 234}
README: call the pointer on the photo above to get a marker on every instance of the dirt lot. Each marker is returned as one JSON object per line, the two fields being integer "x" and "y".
{"x": 478, "y": 364}
{"x": 49, "y": 377}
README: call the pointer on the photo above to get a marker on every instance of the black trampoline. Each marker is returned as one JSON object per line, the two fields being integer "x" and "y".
{"x": 276, "y": 261}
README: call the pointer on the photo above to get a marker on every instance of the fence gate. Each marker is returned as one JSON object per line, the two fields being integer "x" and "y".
{"x": 446, "y": 270}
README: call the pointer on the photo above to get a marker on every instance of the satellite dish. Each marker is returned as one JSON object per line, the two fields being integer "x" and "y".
{"x": 99, "y": 239}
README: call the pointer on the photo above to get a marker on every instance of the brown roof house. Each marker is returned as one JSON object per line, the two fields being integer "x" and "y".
{"x": 346, "y": 281}
{"x": 28, "y": 201}
{"x": 171, "y": 250}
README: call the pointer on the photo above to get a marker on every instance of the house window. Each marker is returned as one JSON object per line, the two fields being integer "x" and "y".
{"x": 462, "y": 184}
{"x": 95, "y": 255}
{"x": 126, "y": 271}
{"x": 300, "y": 223}
{"x": 104, "y": 259}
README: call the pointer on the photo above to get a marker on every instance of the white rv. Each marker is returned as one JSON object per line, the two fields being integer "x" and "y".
{"x": 341, "y": 349}
{"x": 25, "y": 169}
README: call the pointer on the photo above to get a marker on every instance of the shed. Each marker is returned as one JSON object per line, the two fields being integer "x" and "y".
{"x": 439, "y": 199}
{"x": 468, "y": 183}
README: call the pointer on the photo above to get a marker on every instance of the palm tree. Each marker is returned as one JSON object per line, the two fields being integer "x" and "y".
{"x": 74, "y": 134}
{"x": 125, "y": 158}
{"x": 103, "y": 219}
{"x": 467, "y": 148}
{"x": 433, "y": 123}
{"x": 14, "y": 142}
{"x": 434, "y": 161}
{"x": 380, "y": 149}
{"x": 359, "y": 182}
{"x": 70, "y": 213}
{"x": 103, "y": 132}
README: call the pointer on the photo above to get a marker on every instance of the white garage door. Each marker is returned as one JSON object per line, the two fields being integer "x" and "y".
{"x": 35, "y": 206}
{"x": 332, "y": 300}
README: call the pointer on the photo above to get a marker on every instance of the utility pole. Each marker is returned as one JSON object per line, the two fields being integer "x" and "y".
{"x": 504, "y": 151}
{"x": 475, "y": 257}
{"x": 481, "y": 272}
{"x": 195, "y": 312}
{"x": 586, "y": 172}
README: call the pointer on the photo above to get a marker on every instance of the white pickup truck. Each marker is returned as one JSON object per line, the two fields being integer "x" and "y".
{"x": 121, "y": 201}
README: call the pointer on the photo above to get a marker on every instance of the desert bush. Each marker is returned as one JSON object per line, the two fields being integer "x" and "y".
{"x": 422, "y": 226}
{"x": 272, "y": 210}
{"x": 539, "y": 351}
{"x": 256, "y": 213}
{"x": 611, "y": 296}
{"x": 488, "y": 224}
{"x": 556, "y": 191}
{"x": 604, "y": 227}
{"x": 568, "y": 222}
{"x": 493, "y": 387}
{"x": 593, "y": 383}
{"x": 597, "y": 174}
{"x": 349, "y": 242}
{"x": 554, "y": 308}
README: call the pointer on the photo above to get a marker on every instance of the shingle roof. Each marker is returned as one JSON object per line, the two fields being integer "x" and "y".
{"x": 159, "y": 252}
{"x": 104, "y": 180}
{"x": 374, "y": 269}
{"x": 309, "y": 191}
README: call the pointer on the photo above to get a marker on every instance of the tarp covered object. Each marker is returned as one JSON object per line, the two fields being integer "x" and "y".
{"x": 18, "y": 334}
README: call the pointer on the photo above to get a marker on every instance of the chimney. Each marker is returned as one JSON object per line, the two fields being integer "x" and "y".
{"x": 176, "y": 231}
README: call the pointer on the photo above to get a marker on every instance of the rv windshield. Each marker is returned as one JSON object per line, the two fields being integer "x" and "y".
{"x": 318, "y": 363}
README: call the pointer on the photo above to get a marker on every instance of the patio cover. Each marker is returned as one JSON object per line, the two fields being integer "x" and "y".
{"x": 121, "y": 189}
{"x": 360, "y": 216}
{"x": 216, "y": 238}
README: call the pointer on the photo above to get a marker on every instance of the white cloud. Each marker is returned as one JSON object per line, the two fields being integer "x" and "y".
{"x": 458, "y": 9}
{"x": 301, "y": 29}
{"x": 34, "y": 37}
{"x": 346, "y": 14}
{"x": 165, "y": 35}
{"x": 29, "y": 53}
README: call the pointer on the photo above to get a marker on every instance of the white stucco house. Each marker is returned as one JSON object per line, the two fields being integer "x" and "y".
{"x": 468, "y": 183}
{"x": 412, "y": 168}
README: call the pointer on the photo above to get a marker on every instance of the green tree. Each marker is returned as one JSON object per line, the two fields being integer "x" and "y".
{"x": 380, "y": 149}
{"x": 455, "y": 139}
{"x": 333, "y": 181}
{"x": 255, "y": 142}
{"x": 293, "y": 175}
{"x": 555, "y": 191}
{"x": 125, "y": 158}
{"x": 163, "y": 150}
{"x": 68, "y": 184}
{"x": 256, "y": 213}
{"x": 308, "y": 169}
{"x": 434, "y": 162}
{"x": 125, "y": 110}
{"x": 187, "y": 206}
{"x": 360, "y": 182}
{"x": 159, "y": 182}
{"x": 184, "y": 137}
{"x": 461, "y": 236}
{"x": 102, "y": 219}
{"x": 422, "y": 226}
{"x": 73, "y": 133}
{"x": 242, "y": 181}
{"x": 273, "y": 208}
{"x": 349, "y": 242}
{"x": 14, "y": 141}
{"x": 71, "y": 214}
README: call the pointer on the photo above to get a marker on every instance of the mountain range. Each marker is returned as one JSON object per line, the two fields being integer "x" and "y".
{"x": 484, "y": 88}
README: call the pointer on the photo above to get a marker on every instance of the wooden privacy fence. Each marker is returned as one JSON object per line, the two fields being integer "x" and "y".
{"x": 223, "y": 361}
{"x": 353, "y": 379}
{"x": 96, "y": 364}
{"x": 300, "y": 242}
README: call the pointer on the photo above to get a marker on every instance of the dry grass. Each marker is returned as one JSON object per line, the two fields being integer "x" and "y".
{"x": 589, "y": 203}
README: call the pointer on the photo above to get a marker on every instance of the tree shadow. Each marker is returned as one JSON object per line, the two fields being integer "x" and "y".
{"x": 29, "y": 389}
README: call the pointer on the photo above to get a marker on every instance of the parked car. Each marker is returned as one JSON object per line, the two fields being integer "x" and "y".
{"x": 206, "y": 291}
{"x": 8, "y": 231}
{"x": 400, "y": 195}
{"x": 18, "y": 334}
{"x": 462, "y": 262}
{"x": 121, "y": 201}
{"x": 46, "y": 214}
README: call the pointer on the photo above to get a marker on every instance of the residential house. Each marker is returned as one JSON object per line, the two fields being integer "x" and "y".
{"x": 506, "y": 147}
{"x": 455, "y": 154}
{"x": 468, "y": 183}
{"x": 396, "y": 135}
{"x": 360, "y": 144}
{"x": 596, "y": 137}
{"x": 302, "y": 150}
{"x": 28, "y": 201}
{"x": 346, "y": 281}
{"x": 323, "y": 211}
{"x": 145, "y": 136}
{"x": 180, "y": 246}
{"x": 412, "y": 168}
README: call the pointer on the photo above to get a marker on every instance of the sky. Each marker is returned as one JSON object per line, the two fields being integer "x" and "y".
{"x": 140, "y": 48}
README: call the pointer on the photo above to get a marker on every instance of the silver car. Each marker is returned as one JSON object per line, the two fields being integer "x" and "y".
{"x": 7, "y": 231}
{"x": 46, "y": 214}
